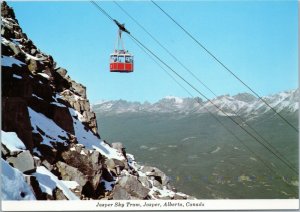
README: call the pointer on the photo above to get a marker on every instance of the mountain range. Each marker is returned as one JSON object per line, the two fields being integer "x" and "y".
{"x": 243, "y": 104}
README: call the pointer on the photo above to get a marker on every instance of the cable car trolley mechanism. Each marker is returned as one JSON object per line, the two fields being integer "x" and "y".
{"x": 121, "y": 60}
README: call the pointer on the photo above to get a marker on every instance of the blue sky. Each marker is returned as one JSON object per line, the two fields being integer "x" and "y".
{"x": 257, "y": 40}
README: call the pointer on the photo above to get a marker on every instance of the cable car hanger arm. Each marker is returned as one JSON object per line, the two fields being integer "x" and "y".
{"x": 121, "y": 26}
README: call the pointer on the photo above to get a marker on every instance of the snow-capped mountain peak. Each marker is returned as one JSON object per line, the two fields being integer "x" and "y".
{"x": 242, "y": 104}
{"x": 177, "y": 100}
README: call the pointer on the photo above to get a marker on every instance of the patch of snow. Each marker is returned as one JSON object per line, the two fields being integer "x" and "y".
{"x": 53, "y": 132}
{"x": 82, "y": 152}
{"x": 181, "y": 194}
{"x": 17, "y": 76}
{"x": 216, "y": 150}
{"x": 12, "y": 141}
{"x": 16, "y": 41}
{"x": 166, "y": 192}
{"x": 4, "y": 41}
{"x": 131, "y": 161}
{"x": 143, "y": 147}
{"x": 177, "y": 100}
{"x": 48, "y": 182}
{"x": 57, "y": 96}
{"x": 141, "y": 173}
{"x": 37, "y": 97}
{"x": 295, "y": 107}
{"x": 90, "y": 141}
{"x": 76, "y": 97}
{"x": 188, "y": 138}
{"x": 33, "y": 58}
{"x": 108, "y": 186}
{"x": 130, "y": 157}
{"x": 36, "y": 151}
{"x": 13, "y": 184}
{"x": 44, "y": 75}
{"x": 58, "y": 104}
{"x": 70, "y": 184}
{"x": 9, "y": 61}
{"x": 152, "y": 148}
{"x": 79, "y": 116}
{"x": 8, "y": 21}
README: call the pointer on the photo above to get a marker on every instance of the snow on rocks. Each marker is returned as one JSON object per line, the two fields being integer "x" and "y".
{"x": 46, "y": 76}
{"x": 70, "y": 184}
{"x": 176, "y": 99}
{"x": 17, "y": 76}
{"x": 242, "y": 104}
{"x": 155, "y": 180}
{"x": 15, "y": 186}
{"x": 48, "y": 182}
{"x": 58, "y": 104}
{"x": 108, "y": 186}
{"x": 10, "y": 61}
{"x": 51, "y": 132}
{"x": 90, "y": 141}
{"x": 12, "y": 141}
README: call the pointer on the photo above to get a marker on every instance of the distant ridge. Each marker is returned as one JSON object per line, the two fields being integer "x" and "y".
{"x": 243, "y": 104}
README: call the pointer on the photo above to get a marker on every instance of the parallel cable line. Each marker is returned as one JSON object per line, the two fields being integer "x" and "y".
{"x": 207, "y": 87}
{"x": 214, "y": 116}
{"x": 227, "y": 69}
{"x": 220, "y": 109}
{"x": 195, "y": 89}
{"x": 103, "y": 11}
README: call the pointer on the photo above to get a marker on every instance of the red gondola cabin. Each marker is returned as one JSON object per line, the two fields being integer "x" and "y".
{"x": 121, "y": 61}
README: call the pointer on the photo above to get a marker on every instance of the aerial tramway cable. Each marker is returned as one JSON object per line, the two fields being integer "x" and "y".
{"x": 214, "y": 116}
{"x": 220, "y": 109}
{"x": 207, "y": 87}
{"x": 195, "y": 89}
{"x": 226, "y": 68}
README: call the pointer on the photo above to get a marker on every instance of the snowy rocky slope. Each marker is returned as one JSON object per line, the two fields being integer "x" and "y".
{"x": 51, "y": 149}
{"x": 243, "y": 104}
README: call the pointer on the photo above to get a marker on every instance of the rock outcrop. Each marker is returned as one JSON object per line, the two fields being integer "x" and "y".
{"x": 51, "y": 133}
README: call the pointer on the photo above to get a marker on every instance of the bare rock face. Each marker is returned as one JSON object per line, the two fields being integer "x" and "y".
{"x": 23, "y": 161}
{"x": 70, "y": 173}
{"x": 59, "y": 195}
{"x": 89, "y": 164}
{"x": 135, "y": 188}
{"x": 131, "y": 188}
{"x": 6, "y": 11}
{"x": 121, "y": 193}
